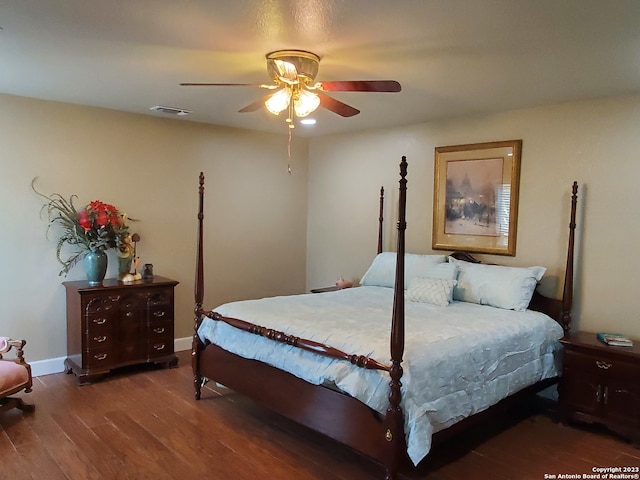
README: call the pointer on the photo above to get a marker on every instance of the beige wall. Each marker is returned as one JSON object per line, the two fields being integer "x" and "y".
{"x": 257, "y": 214}
{"x": 148, "y": 167}
{"x": 593, "y": 142}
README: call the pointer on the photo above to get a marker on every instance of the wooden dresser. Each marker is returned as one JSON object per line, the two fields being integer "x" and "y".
{"x": 114, "y": 325}
{"x": 601, "y": 384}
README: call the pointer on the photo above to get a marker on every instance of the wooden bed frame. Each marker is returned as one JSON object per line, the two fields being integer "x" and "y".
{"x": 328, "y": 411}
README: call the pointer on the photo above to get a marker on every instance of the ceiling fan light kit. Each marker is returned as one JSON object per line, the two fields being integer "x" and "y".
{"x": 278, "y": 102}
{"x": 293, "y": 74}
{"x": 305, "y": 102}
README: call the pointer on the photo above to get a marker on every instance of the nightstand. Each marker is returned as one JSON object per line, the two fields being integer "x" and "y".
{"x": 332, "y": 288}
{"x": 601, "y": 384}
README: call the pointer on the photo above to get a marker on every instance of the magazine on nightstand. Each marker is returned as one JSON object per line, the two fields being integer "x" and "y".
{"x": 615, "y": 339}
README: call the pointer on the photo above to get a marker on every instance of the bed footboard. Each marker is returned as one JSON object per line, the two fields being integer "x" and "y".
{"x": 325, "y": 410}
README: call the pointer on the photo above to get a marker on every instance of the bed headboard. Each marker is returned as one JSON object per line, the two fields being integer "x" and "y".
{"x": 557, "y": 308}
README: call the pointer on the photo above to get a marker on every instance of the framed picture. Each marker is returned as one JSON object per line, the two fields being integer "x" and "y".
{"x": 475, "y": 197}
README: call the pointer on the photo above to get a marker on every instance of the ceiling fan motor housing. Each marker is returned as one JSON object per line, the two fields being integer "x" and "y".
{"x": 306, "y": 64}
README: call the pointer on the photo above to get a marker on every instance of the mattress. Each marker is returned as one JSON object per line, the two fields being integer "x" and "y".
{"x": 459, "y": 360}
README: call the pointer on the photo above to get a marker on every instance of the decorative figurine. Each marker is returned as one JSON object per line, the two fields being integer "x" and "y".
{"x": 132, "y": 277}
{"x": 147, "y": 273}
{"x": 342, "y": 283}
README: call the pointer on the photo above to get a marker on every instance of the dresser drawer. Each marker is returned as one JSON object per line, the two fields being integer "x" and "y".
{"x": 99, "y": 314}
{"x": 158, "y": 297}
{"x": 98, "y": 324}
{"x": 99, "y": 340}
{"x": 98, "y": 358}
{"x": 160, "y": 307}
{"x": 160, "y": 314}
{"x": 160, "y": 347}
{"x": 97, "y": 305}
{"x": 159, "y": 330}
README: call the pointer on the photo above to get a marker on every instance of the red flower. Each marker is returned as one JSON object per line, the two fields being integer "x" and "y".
{"x": 96, "y": 206}
{"x": 84, "y": 221}
{"x": 110, "y": 208}
{"x": 102, "y": 218}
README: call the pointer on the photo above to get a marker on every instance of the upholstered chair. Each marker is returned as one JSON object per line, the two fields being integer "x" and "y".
{"x": 15, "y": 375}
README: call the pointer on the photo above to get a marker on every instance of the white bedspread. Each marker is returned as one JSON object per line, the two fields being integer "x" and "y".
{"x": 458, "y": 360}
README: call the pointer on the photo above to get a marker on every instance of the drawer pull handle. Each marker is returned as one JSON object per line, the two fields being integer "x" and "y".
{"x": 605, "y": 395}
{"x": 99, "y": 321}
{"x": 100, "y": 339}
{"x": 159, "y": 330}
{"x": 129, "y": 314}
{"x": 603, "y": 365}
{"x": 101, "y": 356}
{"x": 159, "y": 314}
{"x": 159, "y": 346}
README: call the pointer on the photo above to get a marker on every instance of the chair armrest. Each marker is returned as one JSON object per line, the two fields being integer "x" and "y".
{"x": 7, "y": 343}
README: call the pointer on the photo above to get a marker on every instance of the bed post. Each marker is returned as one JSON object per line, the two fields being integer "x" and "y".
{"x": 198, "y": 293}
{"x": 567, "y": 293}
{"x": 380, "y": 220}
{"x": 394, "y": 419}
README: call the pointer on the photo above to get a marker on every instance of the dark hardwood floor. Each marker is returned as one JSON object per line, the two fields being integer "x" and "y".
{"x": 144, "y": 423}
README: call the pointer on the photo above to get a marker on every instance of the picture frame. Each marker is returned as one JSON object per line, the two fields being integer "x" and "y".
{"x": 475, "y": 197}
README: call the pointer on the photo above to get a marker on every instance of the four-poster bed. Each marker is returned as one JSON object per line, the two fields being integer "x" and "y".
{"x": 328, "y": 404}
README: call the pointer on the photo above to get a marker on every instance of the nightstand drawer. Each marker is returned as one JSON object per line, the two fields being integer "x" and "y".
{"x": 598, "y": 363}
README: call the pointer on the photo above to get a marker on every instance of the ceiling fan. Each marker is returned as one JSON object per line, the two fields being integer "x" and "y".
{"x": 293, "y": 73}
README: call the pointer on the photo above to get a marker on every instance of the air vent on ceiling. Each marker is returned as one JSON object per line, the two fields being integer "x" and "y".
{"x": 170, "y": 110}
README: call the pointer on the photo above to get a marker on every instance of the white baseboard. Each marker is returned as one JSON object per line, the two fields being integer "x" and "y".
{"x": 47, "y": 367}
{"x": 56, "y": 365}
{"x": 181, "y": 344}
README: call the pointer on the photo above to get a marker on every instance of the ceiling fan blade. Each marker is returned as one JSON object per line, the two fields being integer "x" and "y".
{"x": 360, "y": 86}
{"x": 220, "y": 85}
{"x": 336, "y": 106}
{"x": 257, "y": 105}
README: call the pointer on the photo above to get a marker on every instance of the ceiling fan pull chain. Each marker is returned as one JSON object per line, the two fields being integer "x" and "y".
{"x": 289, "y": 153}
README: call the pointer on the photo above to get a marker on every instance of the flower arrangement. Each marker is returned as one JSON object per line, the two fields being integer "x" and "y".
{"x": 94, "y": 227}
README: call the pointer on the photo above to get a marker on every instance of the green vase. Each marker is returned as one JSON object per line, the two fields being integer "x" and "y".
{"x": 95, "y": 266}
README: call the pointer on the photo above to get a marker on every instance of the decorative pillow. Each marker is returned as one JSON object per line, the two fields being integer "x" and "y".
{"x": 438, "y": 291}
{"x": 382, "y": 272}
{"x": 510, "y": 288}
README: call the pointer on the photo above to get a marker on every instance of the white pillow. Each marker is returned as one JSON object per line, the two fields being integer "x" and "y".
{"x": 510, "y": 288}
{"x": 382, "y": 272}
{"x": 437, "y": 291}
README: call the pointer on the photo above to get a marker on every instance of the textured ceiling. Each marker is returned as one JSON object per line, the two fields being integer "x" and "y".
{"x": 453, "y": 57}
